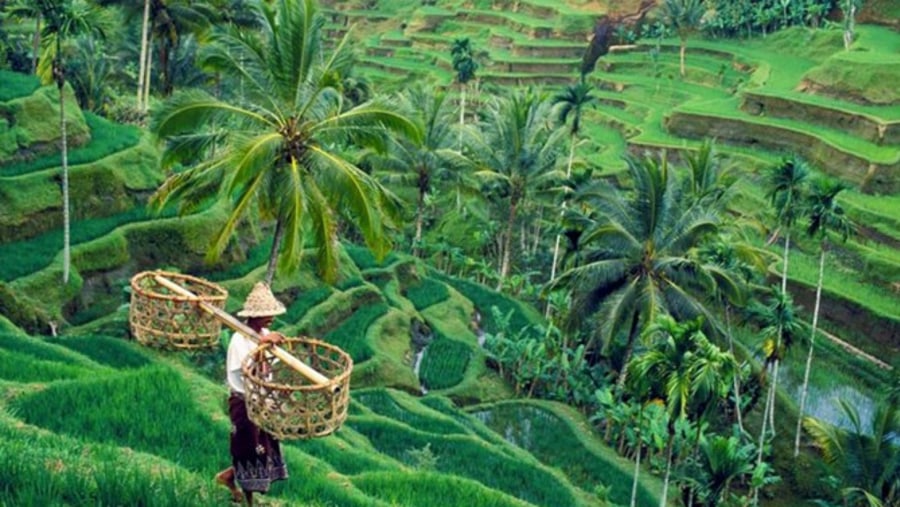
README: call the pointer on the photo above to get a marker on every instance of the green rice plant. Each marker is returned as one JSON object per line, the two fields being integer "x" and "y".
{"x": 446, "y": 406}
{"x": 39, "y": 348}
{"x": 484, "y": 299}
{"x": 553, "y": 442}
{"x": 306, "y": 301}
{"x": 318, "y": 485}
{"x": 444, "y": 363}
{"x": 404, "y": 409}
{"x": 351, "y": 334}
{"x": 16, "y": 85}
{"x": 48, "y": 469}
{"x": 349, "y": 283}
{"x": 25, "y": 368}
{"x": 106, "y": 138}
{"x": 344, "y": 458}
{"x": 31, "y": 255}
{"x": 107, "y": 350}
{"x": 364, "y": 259}
{"x": 426, "y": 293}
{"x": 256, "y": 257}
{"x": 425, "y": 488}
{"x": 150, "y": 409}
{"x": 467, "y": 456}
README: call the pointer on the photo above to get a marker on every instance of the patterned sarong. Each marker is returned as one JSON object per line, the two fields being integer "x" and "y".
{"x": 255, "y": 454}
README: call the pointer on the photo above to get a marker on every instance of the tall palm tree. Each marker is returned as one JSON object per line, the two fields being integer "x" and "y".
{"x": 722, "y": 460}
{"x": 866, "y": 460}
{"x": 570, "y": 104}
{"x": 638, "y": 259}
{"x": 65, "y": 19}
{"x": 420, "y": 161}
{"x": 465, "y": 66}
{"x": 684, "y": 17}
{"x": 786, "y": 184}
{"x": 780, "y": 328}
{"x": 517, "y": 156}
{"x": 687, "y": 371}
{"x": 825, "y": 215}
{"x": 281, "y": 148}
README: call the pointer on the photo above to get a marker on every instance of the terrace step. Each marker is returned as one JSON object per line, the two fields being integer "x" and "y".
{"x": 870, "y": 128}
{"x": 871, "y": 176}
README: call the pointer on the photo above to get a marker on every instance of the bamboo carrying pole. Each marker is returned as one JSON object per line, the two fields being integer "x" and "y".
{"x": 298, "y": 365}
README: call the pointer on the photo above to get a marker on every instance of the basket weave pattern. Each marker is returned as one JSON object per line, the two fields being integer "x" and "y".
{"x": 164, "y": 320}
{"x": 286, "y": 404}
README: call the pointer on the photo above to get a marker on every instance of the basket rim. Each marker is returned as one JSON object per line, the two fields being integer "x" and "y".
{"x": 337, "y": 380}
{"x": 136, "y": 288}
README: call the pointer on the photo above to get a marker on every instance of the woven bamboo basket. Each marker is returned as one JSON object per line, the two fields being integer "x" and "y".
{"x": 286, "y": 404}
{"x": 159, "y": 318}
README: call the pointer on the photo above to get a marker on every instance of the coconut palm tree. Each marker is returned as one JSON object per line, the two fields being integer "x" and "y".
{"x": 825, "y": 215}
{"x": 687, "y": 371}
{"x": 780, "y": 328}
{"x": 420, "y": 161}
{"x": 281, "y": 150}
{"x": 786, "y": 183}
{"x": 570, "y": 104}
{"x": 865, "y": 459}
{"x": 465, "y": 66}
{"x": 64, "y": 19}
{"x": 637, "y": 259}
{"x": 517, "y": 157}
{"x": 684, "y": 17}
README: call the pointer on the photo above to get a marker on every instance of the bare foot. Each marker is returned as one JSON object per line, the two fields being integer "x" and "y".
{"x": 226, "y": 478}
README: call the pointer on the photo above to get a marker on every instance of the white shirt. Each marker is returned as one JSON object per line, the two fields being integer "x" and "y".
{"x": 238, "y": 350}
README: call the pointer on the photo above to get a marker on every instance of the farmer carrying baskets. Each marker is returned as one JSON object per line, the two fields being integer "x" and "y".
{"x": 256, "y": 459}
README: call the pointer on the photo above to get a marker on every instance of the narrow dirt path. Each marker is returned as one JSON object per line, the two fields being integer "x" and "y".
{"x": 855, "y": 351}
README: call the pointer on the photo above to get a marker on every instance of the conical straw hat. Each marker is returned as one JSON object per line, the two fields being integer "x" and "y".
{"x": 261, "y": 303}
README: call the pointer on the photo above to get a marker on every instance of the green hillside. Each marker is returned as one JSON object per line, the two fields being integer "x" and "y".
{"x": 469, "y": 388}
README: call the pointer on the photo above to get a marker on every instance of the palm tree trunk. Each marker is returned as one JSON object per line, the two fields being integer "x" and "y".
{"x": 665, "y": 492}
{"x": 60, "y": 78}
{"x": 148, "y": 66}
{"x": 737, "y": 375}
{"x": 36, "y": 45}
{"x": 420, "y": 211}
{"x": 762, "y": 439}
{"x": 772, "y": 396}
{"x": 142, "y": 70}
{"x": 784, "y": 265}
{"x": 273, "y": 253}
{"x": 637, "y": 459}
{"x": 507, "y": 243}
{"x": 561, "y": 213}
{"x": 809, "y": 356}
{"x": 681, "y": 55}
{"x": 629, "y": 350}
{"x": 462, "y": 112}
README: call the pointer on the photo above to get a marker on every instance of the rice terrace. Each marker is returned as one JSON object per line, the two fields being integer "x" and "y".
{"x": 512, "y": 253}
